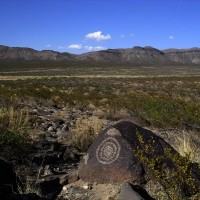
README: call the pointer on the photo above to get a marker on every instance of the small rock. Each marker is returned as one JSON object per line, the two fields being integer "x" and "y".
{"x": 50, "y": 129}
{"x": 65, "y": 128}
{"x": 34, "y": 112}
{"x": 127, "y": 193}
{"x": 73, "y": 176}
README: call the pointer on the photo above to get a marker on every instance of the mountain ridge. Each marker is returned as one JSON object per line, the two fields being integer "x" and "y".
{"x": 137, "y": 54}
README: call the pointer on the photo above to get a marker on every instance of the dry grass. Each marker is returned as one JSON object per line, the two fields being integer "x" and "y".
{"x": 14, "y": 119}
{"x": 85, "y": 131}
{"x": 187, "y": 145}
{"x": 14, "y": 132}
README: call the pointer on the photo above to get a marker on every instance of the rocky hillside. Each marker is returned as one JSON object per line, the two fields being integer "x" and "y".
{"x": 130, "y": 55}
{"x": 183, "y": 55}
{"x": 137, "y": 55}
{"x": 28, "y": 54}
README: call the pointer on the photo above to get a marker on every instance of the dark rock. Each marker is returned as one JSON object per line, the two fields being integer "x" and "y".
{"x": 65, "y": 128}
{"x": 8, "y": 179}
{"x": 126, "y": 151}
{"x": 50, "y": 188}
{"x": 30, "y": 196}
{"x": 47, "y": 152}
{"x": 47, "y": 158}
{"x": 71, "y": 155}
{"x": 110, "y": 159}
{"x": 59, "y": 121}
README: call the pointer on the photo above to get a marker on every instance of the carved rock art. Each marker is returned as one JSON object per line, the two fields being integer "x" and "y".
{"x": 108, "y": 151}
{"x": 110, "y": 159}
{"x": 127, "y": 152}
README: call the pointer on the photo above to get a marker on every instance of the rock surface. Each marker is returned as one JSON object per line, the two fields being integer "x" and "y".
{"x": 130, "y": 192}
{"x": 110, "y": 159}
{"x": 8, "y": 179}
{"x": 125, "y": 151}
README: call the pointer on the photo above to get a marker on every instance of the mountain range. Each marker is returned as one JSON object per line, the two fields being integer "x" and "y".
{"x": 138, "y": 55}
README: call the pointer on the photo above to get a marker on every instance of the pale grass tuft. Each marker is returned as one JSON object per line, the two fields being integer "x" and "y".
{"x": 85, "y": 131}
{"x": 186, "y": 146}
{"x": 18, "y": 118}
{"x": 14, "y": 119}
{"x": 88, "y": 124}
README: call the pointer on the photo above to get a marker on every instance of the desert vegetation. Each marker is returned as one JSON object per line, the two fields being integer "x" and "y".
{"x": 163, "y": 102}
{"x": 156, "y": 98}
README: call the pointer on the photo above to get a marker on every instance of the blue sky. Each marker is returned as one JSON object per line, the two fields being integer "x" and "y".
{"x": 79, "y": 26}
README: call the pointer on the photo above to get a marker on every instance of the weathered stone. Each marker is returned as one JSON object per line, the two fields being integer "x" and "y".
{"x": 133, "y": 192}
{"x": 8, "y": 178}
{"x": 126, "y": 151}
{"x": 73, "y": 176}
{"x": 110, "y": 159}
{"x": 127, "y": 192}
{"x": 50, "y": 129}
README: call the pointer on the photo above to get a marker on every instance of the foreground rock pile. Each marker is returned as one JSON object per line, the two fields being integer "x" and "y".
{"x": 125, "y": 162}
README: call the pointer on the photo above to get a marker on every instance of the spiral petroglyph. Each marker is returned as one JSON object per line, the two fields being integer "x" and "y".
{"x": 108, "y": 151}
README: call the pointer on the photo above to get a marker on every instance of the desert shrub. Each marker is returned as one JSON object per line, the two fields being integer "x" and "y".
{"x": 163, "y": 102}
{"x": 177, "y": 182}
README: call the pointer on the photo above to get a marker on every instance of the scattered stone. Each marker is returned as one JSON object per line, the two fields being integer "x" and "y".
{"x": 50, "y": 129}
{"x": 127, "y": 193}
{"x": 130, "y": 192}
{"x": 34, "y": 112}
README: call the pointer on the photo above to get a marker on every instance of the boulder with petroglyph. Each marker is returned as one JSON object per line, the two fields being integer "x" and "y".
{"x": 110, "y": 159}
{"x": 127, "y": 152}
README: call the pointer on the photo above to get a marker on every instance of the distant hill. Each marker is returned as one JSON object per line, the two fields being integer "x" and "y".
{"x": 28, "y": 54}
{"x": 137, "y": 55}
{"x": 130, "y": 55}
{"x": 183, "y": 55}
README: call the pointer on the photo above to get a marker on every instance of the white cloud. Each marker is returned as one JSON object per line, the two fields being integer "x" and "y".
{"x": 98, "y": 36}
{"x": 75, "y": 46}
{"x": 80, "y": 46}
{"x": 171, "y": 37}
{"x": 91, "y": 48}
